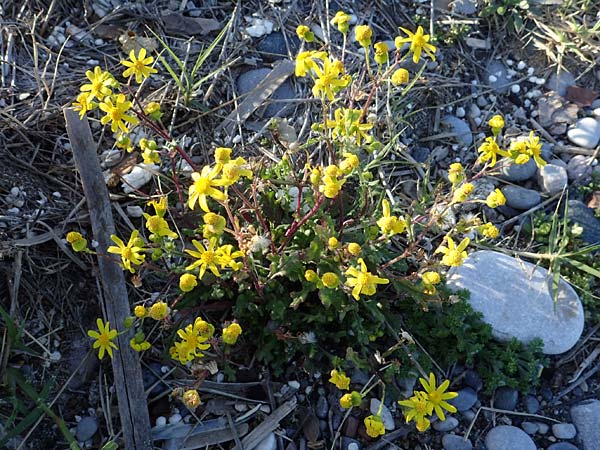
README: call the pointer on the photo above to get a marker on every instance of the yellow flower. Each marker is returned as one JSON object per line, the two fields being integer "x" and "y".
{"x": 214, "y": 225}
{"x": 381, "y": 52}
{"x": 153, "y": 111}
{"x": 534, "y": 149}
{"x": 158, "y": 226}
{"x": 388, "y": 224}
{"x": 228, "y": 258}
{"x": 139, "y": 342}
{"x": 104, "y": 338}
{"x": 495, "y": 198}
{"x": 160, "y": 206}
{"x": 124, "y": 142}
{"x": 305, "y": 63}
{"x": 496, "y": 123}
{"x": 138, "y": 66}
{"x": 340, "y": 379}
{"x": 330, "y": 280}
{"x": 374, "y": 425}
{"x": 349, "y": 163}
{"x": 159, "y": 311}
{"x": 363, "y": 35}
{"x": 331, "y": 183}
{"x": 453, "y": 255}
{"x": 362, "y": 281}
{"x": 456, "y": 173}
{"x": 130, "y": 253}
{"x": 149, "y": 153}
{"x": 100, "y": 84}
{"x": 489, "y": 230}
{"x": 354, "y": 248}
{"x": 231, "y": 333}
{"x": 187, "y": 282}
{"x": 84, "y": 103}
{"x": 233, "y": 170}
{"x": 77, "y": 241}
{"x": 489, "y": 151}
{"x": 222, "y": 155}
{"x": 437, "y": 395}
{"x": 418, "y": 406}
{"x": 333, "y": 243}
{"x": 140, "y": 311}
{"x": 418, "y": 43}
{"x": 311, "y": 276}
{"x": 191, "y": 399}
{"x": 304, "y": 32}
{"x": 342, "y": 21}
{"x": 462, "y": 193}
{"x": 193, "y": 338}
{"x": 115, "y": 113}
{"x": 347, "y": 124}
{"x": 204, "y": 187}
{"x": 400, "y": 76}
{"x": 207, "y": 258}
{"x": 351, "y": 399}
{"x": 431, "y": 277}
{"x": 330, "y": 79}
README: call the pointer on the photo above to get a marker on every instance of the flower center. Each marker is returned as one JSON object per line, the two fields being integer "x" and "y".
{"x": 363, "y": 279}
{"x": 454, "y": 257}
{"x": 208, "y": 257}
{"x": 202, "y": 185}
{"x": 104, "y": 340}
{"x": 126, "y": 253}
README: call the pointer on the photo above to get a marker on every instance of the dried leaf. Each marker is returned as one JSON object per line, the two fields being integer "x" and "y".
{"x": 131, "y": 41}
{"x": 177, "y": 23}
{"x": 581, "y": 96}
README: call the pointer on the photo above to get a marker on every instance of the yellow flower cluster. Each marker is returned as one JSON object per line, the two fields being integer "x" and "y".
{"x": 362, "y": 281}
{"x": 429, "y": 280}
{"x": 194, "y": 339}
{"x": 77, "y": 241}
{"x": 130, "y": 253}
{"x": 340, "y": 379}
{"x": 454, "y": 255}
{"x": 212, "y": 258}
{"x": 328, "y": 74}
{"x": 328, "y": 280}
{"x": 351, "y": 399}
{"x": 231, "y": 333}
{"x": 347, "y": 125}
{"x": 388, "y": 224}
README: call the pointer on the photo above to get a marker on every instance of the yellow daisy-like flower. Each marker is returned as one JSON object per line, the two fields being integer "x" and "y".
{"x": 311, "y": 276}
{"x": 419, "y": 42}
{"x": 419, "y": 407}
{"x": 84, "y": 103}
{"x": 305, "y": 63}
{"x": 158, "y": 226}
{"x": 207, "y": 258}
{"x": 140, "y": 311}
{"x": 160, "y": 206}
{"x": 437, "y": 395}
{"x": 228, "y": 257}
{"x": 204, "y": 187}
{"x": 489, "y": 230}
{"x": 429, "y": 280}
{"x": 495, "y": 198}
{"x": 347, "y": 124}
{"x": 342, "y": 21}
{"x": 233, "y": 170}
{"x": 329, "y": 79}
{"x": 187, "y": 282}
{"x": 149, "y": 149}
{"x": 130, "y": 253}
{"x": 362, "y": 281}
{"x": 159, "y": 311}
{"x": 231, "y": 333}
{"x": 489, "y": 151}
{"x": 100, "y": 84}
{"x": 331, "y": 184}
{"x": 116, "y": 113}
{"x": 214, "y": 225}
{"x": 340, "y": 379}
{"x": 388, "y": 224}
{"x": 363, "y": 35}
{"x": 456, "y": 173}
{"x": 138, "y": 66}
{"x": 192, "y": 342}
{"x": 374, "y": 426}
{"x": 453, "y": 254}
{"x": 153, "y": 111}
{"x": 104, "y": 338}
{"x": 400, "y": 76}
{"x": 534, "y": 148}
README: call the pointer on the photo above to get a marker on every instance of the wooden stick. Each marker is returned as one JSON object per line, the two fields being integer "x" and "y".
{"x": 133, "y": 410}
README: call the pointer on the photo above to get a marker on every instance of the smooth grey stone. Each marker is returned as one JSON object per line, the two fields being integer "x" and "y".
{"x": 322, "y": 408}
{"x": 467, "y": 397}
{"x": 386, "y": 415}
{"x": 564, "y": 430}
{"x": 579, "y": 213}
{"x": 506, "y": 398}
{"x": 516, "y": 172}
{"x": 552, "y": 178}
{"x": 460, "y": 128}
{"x": 86, "y": 428}
{"x": 407, "y": 385}
{"x": 507, "y": 211}
{"x": 268, "y": 443}
{"x": 468, "y": 415}
{"x": 465, "y": 7}
{"x": 515, "y": 298}
{"x": 542, "y": 427}
{"x": 358, "y": 376}
{"x": 530, "y": 427}
{"x": 506, "y": 437}
{"x": 586, "y": 417}
{"x": 454, "y": 442}
{"x": 350, "y": 444}
{"x": 273, "y": 46}
{"x": 562, "y": 446}
{"x": 579, "y": 170}
{"x": 585, "y": 133}
{"x": 420, "y": 154}
{"x": 472, "y": 379}
{"x": 247, "y": 81}
{"x": 498, "y": 70}
{"x": 559, "y": 83}
{"x": 521, "y": 198}
{"x": 446, "y": 425}
{"x": 532, "y": 405}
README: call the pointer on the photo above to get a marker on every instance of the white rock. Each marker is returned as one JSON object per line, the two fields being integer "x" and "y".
{"x": 460, "y": 112}
{"x": 386, "y": 415}
{"x": 294, "y": 384}
{"x": 515, "y": 88}
{"x": 161, "y": 421}
{"x": 268, "y": 443}
{"x": 139, "y": 176}
{"x": 521, "y": 65}
{"x": 175, "y": 418}
{"x": 135, "y": 211}
{"x": 585, "y": 133}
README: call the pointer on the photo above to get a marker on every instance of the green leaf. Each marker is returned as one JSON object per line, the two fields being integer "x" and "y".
{"x": 584, "y": 267}
{"x": 110, "y": 445}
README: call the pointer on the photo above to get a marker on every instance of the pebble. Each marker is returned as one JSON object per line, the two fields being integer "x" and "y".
{"x": 294, "y": 384}
{"x": 474, "y": 111}
{"x": 467, "y": 416}
{"x": 472, "y": 379}
{"x": 552, "y": 178}
{"x": 506, "y": 398}
{"x": 517, "y": 172}
{"x": 532, "y": 405}
{"x": 322, "y": 408}
{"x": 446, "y": 425}
{"x": 579, "y": 213}
{"x": 86, "y": 428}
{"x": 562, "y": 446}
{"x": 273, "y": 47}
{"x": 467, "y": 397}
{"x": 585, "y": 133}
{"x": 530, "y": 427}
{"x": 514, "y": 298}
{"x": 586, "y": 417}
{"x": 559, "y": 83}
{"x": 386, "y": 415}
{"x": 161, "y": 421}
{"x": 350, "y": 444}
{"x": 580, "y": 169}
{"x": 506, "y": 437}
{"x": 521, "y": 198}
{"x": 497, "y": 76}
{"x": 460, "y": 128}
{"x": 564, "y": 430}
{"x": 454, "y": 442}
{"x": 134, "y": 211}
{"x": 542, "y": 428}
{"x": 138, "y": 177}
{"x": 465, "y": 7}
{"x": 460, "y": 112}
{"x": 420, "y": 154}
{"x": 268, "y": 443}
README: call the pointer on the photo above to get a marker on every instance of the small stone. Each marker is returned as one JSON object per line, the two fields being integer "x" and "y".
{"x": 135, "y": 211}
{"x": 386, "y": 415}
{"x": 294, "y": 384}
{"x": 474, "y": 111}
{"x": 467, "y": 397}
{"x": 506, "y": 398}
{"x": 506, "y": 437}
{"x": 350, "y": 444}
{"x": 513, "y": 172}
{"x": 560, "y": 82}
{"x": 460, "y": 129}
{"x": 542, "y": 427}
{"x": 521, "y": 198}
{"x": 454, "y": 442}
{"x": 515, "y": 88}
{"x": 465, "y": 7}
{"x": 274, "y": 47}
{"x": 322, "y": 408}
{"x": 175, "y": 418}
{"x": 86, "y": 428}
{"x": 472, "y": 379}
{"x": 460, "y": 112}
{"x": 268, "y": 443}
{"x": 562, "y": 446}
{"x": 530, "y": 427}
{"x": 552, "y": 179}
{"x": 467, "y": 416}
{"x": 420, "y": 154}
{"x": 585, "y": 133}
{"x": 161, "y": 421}
{"x": 446, "y": 425}
{"x": 579, "y": 213}
{"x": 580, "y": 169}
{"x": 532, "y": 405}
{"x": 564, "y": 430}
{"x": 358, "y": 376}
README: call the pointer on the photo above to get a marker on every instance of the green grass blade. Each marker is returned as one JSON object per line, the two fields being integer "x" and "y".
{"x": 583, "y": 267}
{"x": 206, "y": 53}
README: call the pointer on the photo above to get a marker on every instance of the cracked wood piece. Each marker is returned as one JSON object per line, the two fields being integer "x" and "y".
{"x": 133, "y": 410}
{"x": 255, "y": 98}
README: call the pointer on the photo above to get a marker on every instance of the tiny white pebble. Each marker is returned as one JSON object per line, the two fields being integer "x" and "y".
{"x": 535, "y": 93}
{"x": 265, "y": 408}
{"x": 492, "y": 78}
{"x": 509, "y": 62}
{"x": 530, "y": 71}
{"x": 460, "y": 112}
{"x": 515, "y": 88}
{"x": 67, "y": 146}
{"x": 93, "y": 62}
{"x": 454, "y": 147}
{"x": 164, "y": 369}
{"x": 308, "y": 390}
{"x": 99, "y": 42}
{"x": 161, "y": 421}
{"x": 457, "y": 159}
{"x": 78, "y": 418}
{"x": 12, "y": 211}
{"x": 236, "y": 139}
{"x": 527, "y": 103}
{"x": 14, "y": 191}
{"x": 135, "y": 211}
{"x": 474, "y": 82}
{"x": 175, "y": 418}
{"x": 56, "y": 194}
{"x": 521, "y": 65}
{"x": 540, "y": 81}
{"x": 477, "y": 120}
{"x": 55, "y": 356}
{"x": 492, "y": 98}
{"x": 534, "y": 113}
{"x": 511, "y": 72}
{"x": 352, "y": 446}
{"x": 294, "y": 384}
